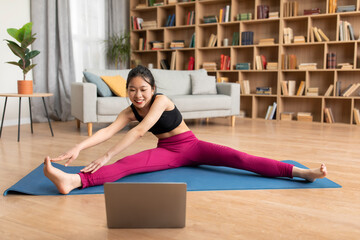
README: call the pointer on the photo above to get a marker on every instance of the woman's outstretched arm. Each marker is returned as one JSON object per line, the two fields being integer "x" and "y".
{"x": 100, "y": 136}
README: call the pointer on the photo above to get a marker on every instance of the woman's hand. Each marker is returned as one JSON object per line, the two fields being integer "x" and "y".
{"x": 70, "y": 156}
{"x": 95, "y": 165}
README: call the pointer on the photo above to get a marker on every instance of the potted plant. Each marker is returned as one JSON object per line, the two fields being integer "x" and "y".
{"x": 118, "y": 48}
{"x": 25, "y": 38}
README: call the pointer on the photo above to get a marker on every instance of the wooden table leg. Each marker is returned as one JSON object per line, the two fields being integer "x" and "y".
{"x": 30, "y": 116}
{"x": 19, "y": 119}
{"x": 47, "y": 115}
{"x": 2, "y": 120}
{"x": 89, "y": 129}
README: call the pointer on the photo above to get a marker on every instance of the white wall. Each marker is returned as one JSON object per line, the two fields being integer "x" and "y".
{"x": 13, "y": 14}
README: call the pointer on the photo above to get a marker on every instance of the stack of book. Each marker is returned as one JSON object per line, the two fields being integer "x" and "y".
{"x": 224, "y": 15}
{"x": 313, "y": 11}
{"x": 357, "y": 116}
{"x": 209, "y": 66}
{"x": 235, "y": 39}
{"x": 247, "y": 38}
{"x": 210, "y": 19}
{"x": 149, "y": 24}
{"x": 286, "y": 116}
{"x": 288, "y": 61}
{"x": 288, "y": 35}
{"x": 264, "y": 90}
{"x": 260, "y": 62}
{"x": 154, "y": 3}
{"x": 225, "y": 62}
{"x": 299, "y": 39}
{"x": 243, "y": 16}
{"x": 157, "y": 45}
{"x": 346, "y": 31}
{"x": 172, "y": 1}
{"x": 140, "y": 5}
{"x": 245, "y": 86}
{"x": 272, "y": 66}
{"x": 271, "y": 112}
{"x": 212, "y": 40}
{"x": 329, "y": 117}
{"x": 267, "y": 41}
{"x": 347, "y": 8}
{"x": 273, "y": 15}
{"x": 318, "y": 35}
{"x": 312, "y": 91}
{"x": 346, "y": 66}
{"x": 331, "y": 60}
{"x": 177, "y": 44}
{"x": 304, "y": 116}
{"x": 242, "y": 66}
{"x": 263, "y": 11}
{"x": 350, "y": 89}
{"x": 170, "y": 22}
{"x": 308, "y": 66}
{"x": 291, "y": 9}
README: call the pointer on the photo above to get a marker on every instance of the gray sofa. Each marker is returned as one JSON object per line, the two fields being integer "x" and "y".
{"x": 88, "y": 107}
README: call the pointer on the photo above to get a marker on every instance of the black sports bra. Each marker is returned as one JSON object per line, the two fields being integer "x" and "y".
{"x": 168, "y": 121}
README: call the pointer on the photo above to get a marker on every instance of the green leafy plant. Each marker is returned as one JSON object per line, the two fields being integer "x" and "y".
{"x": 118, "y": 48}
{"x": 25, "y": 38}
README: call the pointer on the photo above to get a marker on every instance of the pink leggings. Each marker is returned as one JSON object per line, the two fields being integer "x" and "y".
{"x": 185, "y": 150}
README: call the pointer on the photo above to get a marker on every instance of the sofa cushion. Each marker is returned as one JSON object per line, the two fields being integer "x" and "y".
{"x": 203, "y": 84}
{"x": 111, "y": 105}
{"x": 188, "y": 103}
{"x": 102, "y": 89}
{"x": 117, "y": 84}
{"x": 174, "y": 82}
{"x": 110, "y": 72}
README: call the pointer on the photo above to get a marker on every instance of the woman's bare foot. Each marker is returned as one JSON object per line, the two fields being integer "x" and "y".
{"x": 64, "y": 182}
{"x": 310, "y": 174}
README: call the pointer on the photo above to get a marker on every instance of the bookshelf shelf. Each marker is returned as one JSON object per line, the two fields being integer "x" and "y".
{"x": 307, "y": 50}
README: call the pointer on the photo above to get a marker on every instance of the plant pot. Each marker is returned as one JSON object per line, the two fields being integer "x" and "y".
{"x": 25, "y": 87}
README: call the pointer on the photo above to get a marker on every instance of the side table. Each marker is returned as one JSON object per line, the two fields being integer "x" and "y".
{"x": 42, "y": 95}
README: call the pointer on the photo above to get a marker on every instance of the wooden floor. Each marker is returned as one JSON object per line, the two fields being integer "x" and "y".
{"x": 253, "y": 214}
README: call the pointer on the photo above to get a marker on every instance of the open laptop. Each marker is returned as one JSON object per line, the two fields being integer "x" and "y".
{"x": 145, "y": 205}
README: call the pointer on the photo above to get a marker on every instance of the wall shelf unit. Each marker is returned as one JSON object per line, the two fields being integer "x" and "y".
{"x": 306, "y": 51}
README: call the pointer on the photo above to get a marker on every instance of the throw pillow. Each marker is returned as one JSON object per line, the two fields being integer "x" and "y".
{"x": 117, "y": 84}
{"x": 102, "y": 89}
{"x": 203, "y": 84}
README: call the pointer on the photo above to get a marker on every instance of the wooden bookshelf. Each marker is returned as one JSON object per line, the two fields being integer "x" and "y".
{"x": 311, "y": 51}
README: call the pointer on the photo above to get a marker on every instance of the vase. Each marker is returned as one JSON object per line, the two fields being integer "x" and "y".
{"x": 25, "y": 87}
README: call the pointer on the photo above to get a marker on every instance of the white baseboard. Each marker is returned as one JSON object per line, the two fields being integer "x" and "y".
{"x": 13, "y": 122}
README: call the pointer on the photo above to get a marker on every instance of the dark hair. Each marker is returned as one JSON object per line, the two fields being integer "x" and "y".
{"x": 144, "y": 73}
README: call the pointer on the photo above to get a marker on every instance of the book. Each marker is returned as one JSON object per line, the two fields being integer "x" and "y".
{"x": 268, "y": 112}
{"x": 331, "y": 60}
{"x": 291, "y": 87}
{"x": 209, "y": 66}
{"x": 173, "y": 61}
{"x": 267, "y": 41}
{"x": 273, "y": 111}
{"x": 288, "y": 35}
{"x": 312, "y": 91}
{"x": 284, "y": 88}
{"x": 262, "y": 11}
{"x": 322, "y": 34}
{"x": 191, "y": 63}
{"x": 242, "y": 66}
{"x": 301, "y": 88}
{"x": 245, "y": 86}
{"x": 299, "y": 39}
{"x": 247, "y": 38}
{"x": 329, "y": 90}
{"x": 264, "y": 90}
{"x": 356, "y": 116}
{"x": 164, "y": 64}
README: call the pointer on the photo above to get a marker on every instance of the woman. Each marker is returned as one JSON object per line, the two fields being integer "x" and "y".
{"x": 177, "y": 145}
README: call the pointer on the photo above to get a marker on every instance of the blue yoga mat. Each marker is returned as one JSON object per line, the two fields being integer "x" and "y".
{"x": 201, "y": 178}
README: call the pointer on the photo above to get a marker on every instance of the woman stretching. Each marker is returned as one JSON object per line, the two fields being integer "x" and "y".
{"x": 177, "y": 145}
